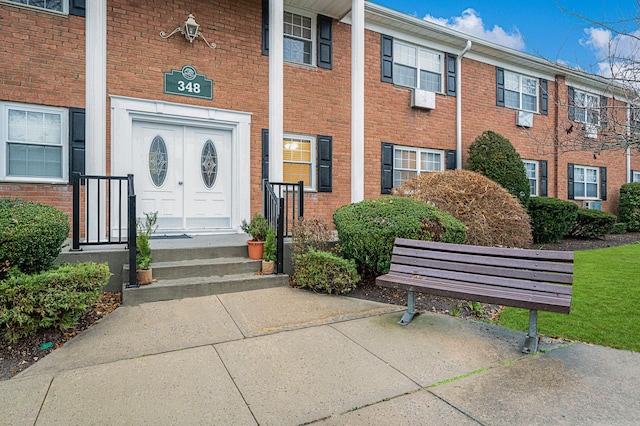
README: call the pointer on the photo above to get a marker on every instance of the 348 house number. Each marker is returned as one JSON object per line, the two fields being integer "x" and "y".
{"x": 187, "y": 82}
{"x": 188, "y": 87}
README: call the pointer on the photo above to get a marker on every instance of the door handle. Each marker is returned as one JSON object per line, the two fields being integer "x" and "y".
{"x": 179, "y": 182}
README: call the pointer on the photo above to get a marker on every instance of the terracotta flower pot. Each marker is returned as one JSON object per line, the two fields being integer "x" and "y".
{"x": 268, "y": 267}
{"x": 256, "y": 249}
{"x": 144, "y": 276}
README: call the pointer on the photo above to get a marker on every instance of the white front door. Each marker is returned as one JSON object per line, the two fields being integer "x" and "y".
{"x": 184, "y": 174}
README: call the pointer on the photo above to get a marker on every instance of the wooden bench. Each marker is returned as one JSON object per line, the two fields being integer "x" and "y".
{"x": 530, "y": 279}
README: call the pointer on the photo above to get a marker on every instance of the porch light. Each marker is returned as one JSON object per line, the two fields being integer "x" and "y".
{"x": 191, "y": 31}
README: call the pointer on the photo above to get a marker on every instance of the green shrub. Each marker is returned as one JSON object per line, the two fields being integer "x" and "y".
{"x": 269, "y": 252}
{"x": 629, "y": 206}
{"x": 324, "y": 271}
{"x": 551, "y": 218}
{"x": 619, "y": 228}
{"x": 593, "y": 223}
{"x": 53, "y": 299}
{"x": 368, "y": 229}
{"x": 31, "y": 235}
{"x": 493, "y": 155}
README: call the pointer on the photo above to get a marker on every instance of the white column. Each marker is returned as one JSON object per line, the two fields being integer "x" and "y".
{"x": 96, "y": 103}
{"x": 357, "y": 101}
{"x": 276, "y": 88}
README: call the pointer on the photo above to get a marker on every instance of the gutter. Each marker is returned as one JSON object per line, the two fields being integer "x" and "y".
{"x": 459, "y": 105}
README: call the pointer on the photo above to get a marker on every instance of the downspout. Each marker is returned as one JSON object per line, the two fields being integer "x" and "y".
{"x": 459, "y": 105}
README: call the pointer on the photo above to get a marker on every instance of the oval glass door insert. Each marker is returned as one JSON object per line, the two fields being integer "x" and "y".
{"x": 209, "y": 164}
{"x": 158, "y": 161}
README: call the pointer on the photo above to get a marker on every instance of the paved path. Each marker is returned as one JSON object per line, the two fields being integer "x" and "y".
{"x": 285, "y": 357}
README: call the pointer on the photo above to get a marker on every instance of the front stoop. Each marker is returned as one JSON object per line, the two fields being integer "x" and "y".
{"x": 195, "y": 272}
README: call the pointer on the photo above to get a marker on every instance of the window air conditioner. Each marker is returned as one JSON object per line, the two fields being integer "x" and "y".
{"x": 590, "y": 131}
{"x": 593, "y": 205}
{"x": 423, "y": 99}
{"x": 524, "y": 118}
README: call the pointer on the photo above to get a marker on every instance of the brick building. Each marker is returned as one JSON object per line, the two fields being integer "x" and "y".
{"x": 358, "y": 97}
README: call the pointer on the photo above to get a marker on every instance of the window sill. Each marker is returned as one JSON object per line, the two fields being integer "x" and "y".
{"x": 40, "y": 181}
{"x": 301, "y": 65}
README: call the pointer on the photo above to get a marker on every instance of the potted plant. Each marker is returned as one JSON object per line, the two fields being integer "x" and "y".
{"x": 257, "y": 228}
{"x": 269, "y": 255}
{"x": 144, "y": 229}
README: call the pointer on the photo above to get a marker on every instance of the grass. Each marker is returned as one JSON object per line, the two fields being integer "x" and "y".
{"x": 605, "y": 309}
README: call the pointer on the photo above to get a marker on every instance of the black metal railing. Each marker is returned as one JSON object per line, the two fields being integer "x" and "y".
{"x": 283, "y": 204}
{"x": 99, "y": 206}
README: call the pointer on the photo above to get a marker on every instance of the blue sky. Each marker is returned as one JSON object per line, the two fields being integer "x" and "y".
{"x": 539, "y": 27}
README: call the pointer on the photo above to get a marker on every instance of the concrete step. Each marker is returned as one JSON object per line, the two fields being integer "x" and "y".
{"x": 170, "y": 289}
{"x": 173, "y": 254}
{"x": 195, "y": 267}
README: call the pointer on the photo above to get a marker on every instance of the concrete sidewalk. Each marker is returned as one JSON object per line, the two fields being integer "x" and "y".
{"x": 284, "y": 357}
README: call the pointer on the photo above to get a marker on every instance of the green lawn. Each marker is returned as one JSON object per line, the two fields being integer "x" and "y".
{"x": 605, "y": 309}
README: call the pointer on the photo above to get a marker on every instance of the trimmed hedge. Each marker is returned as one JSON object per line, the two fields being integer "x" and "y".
{"x": 629, "y": 206}
{"x": 495, "y": 157}
{"x": 593, "y": 223}
{"x": 551, "y": 218}
{"x": 31, "y": 235}
{"x": 368, "y": 229}
{"x": 324, "y": 271}
{"x": 53, "y": 299}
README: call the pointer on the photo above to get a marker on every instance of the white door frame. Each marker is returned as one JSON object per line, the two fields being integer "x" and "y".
{"x": 125, "y": 110}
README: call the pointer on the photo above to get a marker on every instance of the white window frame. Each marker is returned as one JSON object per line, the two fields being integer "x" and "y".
{"x": 417, "y": 65}
{"x": 520, "y": 90}
{"x": 65, "y": 6}
{"x": 587, "y": 109}
{"x": 313, "y": 163}
{"x": 585, "y": 183}
{"x": 313, "y": 39}
{"x": 635, "y": 177}
{"x": 418, "y": 153}
{"x": 4, "y": 142}
{"x": 534, "y": 181}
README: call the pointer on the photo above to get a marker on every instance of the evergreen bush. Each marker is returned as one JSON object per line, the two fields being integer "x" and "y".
{"x": 368, "y": 229}
{"x": 326, "y": 272}
{"x": 31, "y": 235}
{"x": 593, "y": 223}
{"x": 495, "y": 157}
{"x": 551, "y": 218}
{"x": 629, "y": 206}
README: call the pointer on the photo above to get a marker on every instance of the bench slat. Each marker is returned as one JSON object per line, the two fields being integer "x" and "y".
{"x": 454, "y": 265}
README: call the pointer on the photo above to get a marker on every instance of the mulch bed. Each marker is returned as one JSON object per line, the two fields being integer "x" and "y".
{"x": 15, "y": 358}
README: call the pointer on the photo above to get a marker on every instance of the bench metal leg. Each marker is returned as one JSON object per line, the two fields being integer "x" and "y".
{"x": 411, "y": 309}
{"x": 532, "y": 339}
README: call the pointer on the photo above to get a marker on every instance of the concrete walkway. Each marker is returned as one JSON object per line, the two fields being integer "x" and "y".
{"x": 286, "y": 357}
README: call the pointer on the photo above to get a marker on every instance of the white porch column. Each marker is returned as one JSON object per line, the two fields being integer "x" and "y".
{"x": 357, "y": 101}
{"x": 276, "y": 88}
{"x": 96, "y": 103}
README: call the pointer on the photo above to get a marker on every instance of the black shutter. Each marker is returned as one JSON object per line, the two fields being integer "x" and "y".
{"x": 451, "y": 159}
{"x": 325, "y": 169}
{"x": 386, "y": 47}
{"x": 544, "y": 97}
{"x": 387, "y": 168}
{"x": 324, "y": 42}
{"x": 76, "y": 141}
{"x": 77, "y": 7}
{"x": 265, "y": 153}
{"x": 604, "y": 118}
{"x": 543, "y": 178}
{"x": 499, "y": 86}
{"x": 603, "y": 183}
{"x": 265, "y": 27}
{"x": 570, "y": 181}
{"x": 451, "y": 74}
{"x": 572, "y": 104}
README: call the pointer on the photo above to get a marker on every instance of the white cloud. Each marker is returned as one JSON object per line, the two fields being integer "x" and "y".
{"x": 471, "y": 23}
{"x": 618, "y": 55}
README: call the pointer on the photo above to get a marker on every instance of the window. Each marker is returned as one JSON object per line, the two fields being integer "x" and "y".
{"x": 298, "y": 38}
{"x": 585, "y": 182}
{"x": 299, "y": 160}
{"x": 55, "y": 5}
{"x": 410, "y": 162}
{"x": 520, "y": 92}
{"x": 635, "y": 176}
{"x": 587, "y": 107}
{"x": 531, "y": 167}
{"x": 634, "y": 120}
{"x": 417, "y": 67}
{"x": 34, "y": 142}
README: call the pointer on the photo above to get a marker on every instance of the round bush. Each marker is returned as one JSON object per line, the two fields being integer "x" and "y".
{"x": 593, "y": 223}
{"x": 493, "y": 155}
{"x": 551, "y": 218}
{"x": 324, "y": 271}
{"x": 368, "y": 229}
{"x": 31, "y": 235}
{"x": 629, "y": 206}
{"x": 492, "y": 216}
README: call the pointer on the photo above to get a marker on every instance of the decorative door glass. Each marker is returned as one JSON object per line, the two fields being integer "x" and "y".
{"x": 209, "y": 164}
{"x": 158, "y": 160}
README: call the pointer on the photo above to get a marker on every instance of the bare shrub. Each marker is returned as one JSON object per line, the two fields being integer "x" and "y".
{"x": 313, "y": 232}
{"x": 493, "y": 217}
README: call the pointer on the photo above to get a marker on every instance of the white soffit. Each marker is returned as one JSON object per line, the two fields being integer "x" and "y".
{"x": 333, "y": 8}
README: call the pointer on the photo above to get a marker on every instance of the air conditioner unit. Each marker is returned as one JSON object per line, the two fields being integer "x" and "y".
{"x": 524, "y": 119}
{"x": 593, "y": 205}
{"x": 590, "y": 131}
{"x": 423, "y": 99}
